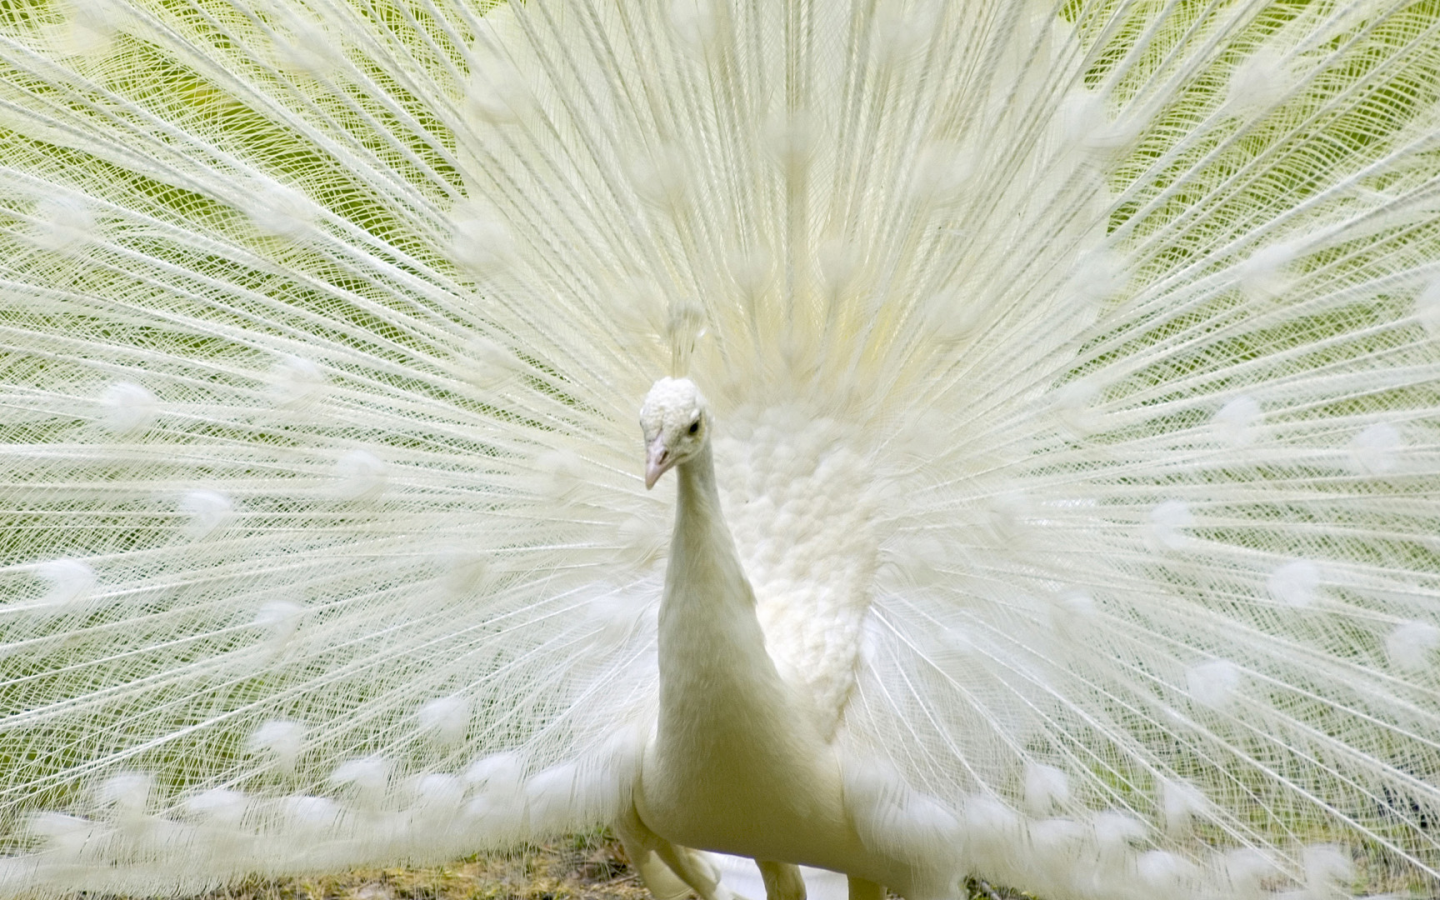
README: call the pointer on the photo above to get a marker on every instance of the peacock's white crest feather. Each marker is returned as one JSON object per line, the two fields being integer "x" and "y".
{"x": 1073, "y": 368}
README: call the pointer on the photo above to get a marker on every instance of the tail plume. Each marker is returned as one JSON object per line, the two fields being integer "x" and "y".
{"x": 1112, "y": 328}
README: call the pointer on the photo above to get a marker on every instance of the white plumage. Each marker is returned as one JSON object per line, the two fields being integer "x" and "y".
{"x": 1070, "y": 390}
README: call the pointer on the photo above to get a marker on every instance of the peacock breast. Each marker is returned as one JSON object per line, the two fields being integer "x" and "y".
{"x": 802, "y": 498}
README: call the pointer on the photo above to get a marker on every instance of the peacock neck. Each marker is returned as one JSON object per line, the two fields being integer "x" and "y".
{"x": 699, "y": 521}
{"x": 711, "y": 645}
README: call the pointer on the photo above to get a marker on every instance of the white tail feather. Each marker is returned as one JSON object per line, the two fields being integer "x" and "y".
{"x": 1072, "y": 369}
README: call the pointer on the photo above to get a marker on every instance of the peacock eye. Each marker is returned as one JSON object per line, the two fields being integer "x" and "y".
{"x": 695, "y": 427}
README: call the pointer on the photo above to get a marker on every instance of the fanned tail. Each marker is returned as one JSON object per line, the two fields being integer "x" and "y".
{"x": 324, "y": 328}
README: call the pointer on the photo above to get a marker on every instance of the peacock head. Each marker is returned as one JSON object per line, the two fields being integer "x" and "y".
{"x": 676, "y": 426}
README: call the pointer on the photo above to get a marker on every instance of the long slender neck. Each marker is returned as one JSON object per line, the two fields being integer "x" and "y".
{"x": 712, "y": 650}
{"x": 700, "y": 524}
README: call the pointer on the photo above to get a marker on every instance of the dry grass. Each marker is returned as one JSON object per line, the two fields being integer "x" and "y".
{"x": 583, "y": 867}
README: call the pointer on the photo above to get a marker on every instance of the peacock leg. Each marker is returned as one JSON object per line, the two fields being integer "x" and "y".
{"x": 782, "y": 881}
{"x": 860, "y": 889}
{"x": 663, "y": 883}
{"x": 669, "y": 870}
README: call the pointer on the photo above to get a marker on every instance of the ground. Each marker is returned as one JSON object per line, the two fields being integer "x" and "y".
{"x": 582, "y": 867}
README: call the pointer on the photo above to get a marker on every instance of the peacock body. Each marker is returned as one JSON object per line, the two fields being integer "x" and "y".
{"x": 1065, "y": 509}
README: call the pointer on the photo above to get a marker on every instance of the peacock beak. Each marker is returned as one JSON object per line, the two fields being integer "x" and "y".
{"x": 657, "y": 461}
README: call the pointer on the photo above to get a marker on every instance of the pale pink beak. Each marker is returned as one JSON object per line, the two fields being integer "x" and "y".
{"x": 657, "y": 461}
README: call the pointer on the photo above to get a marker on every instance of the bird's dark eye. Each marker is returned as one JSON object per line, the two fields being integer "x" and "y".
{"x": 695, "y": 427}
